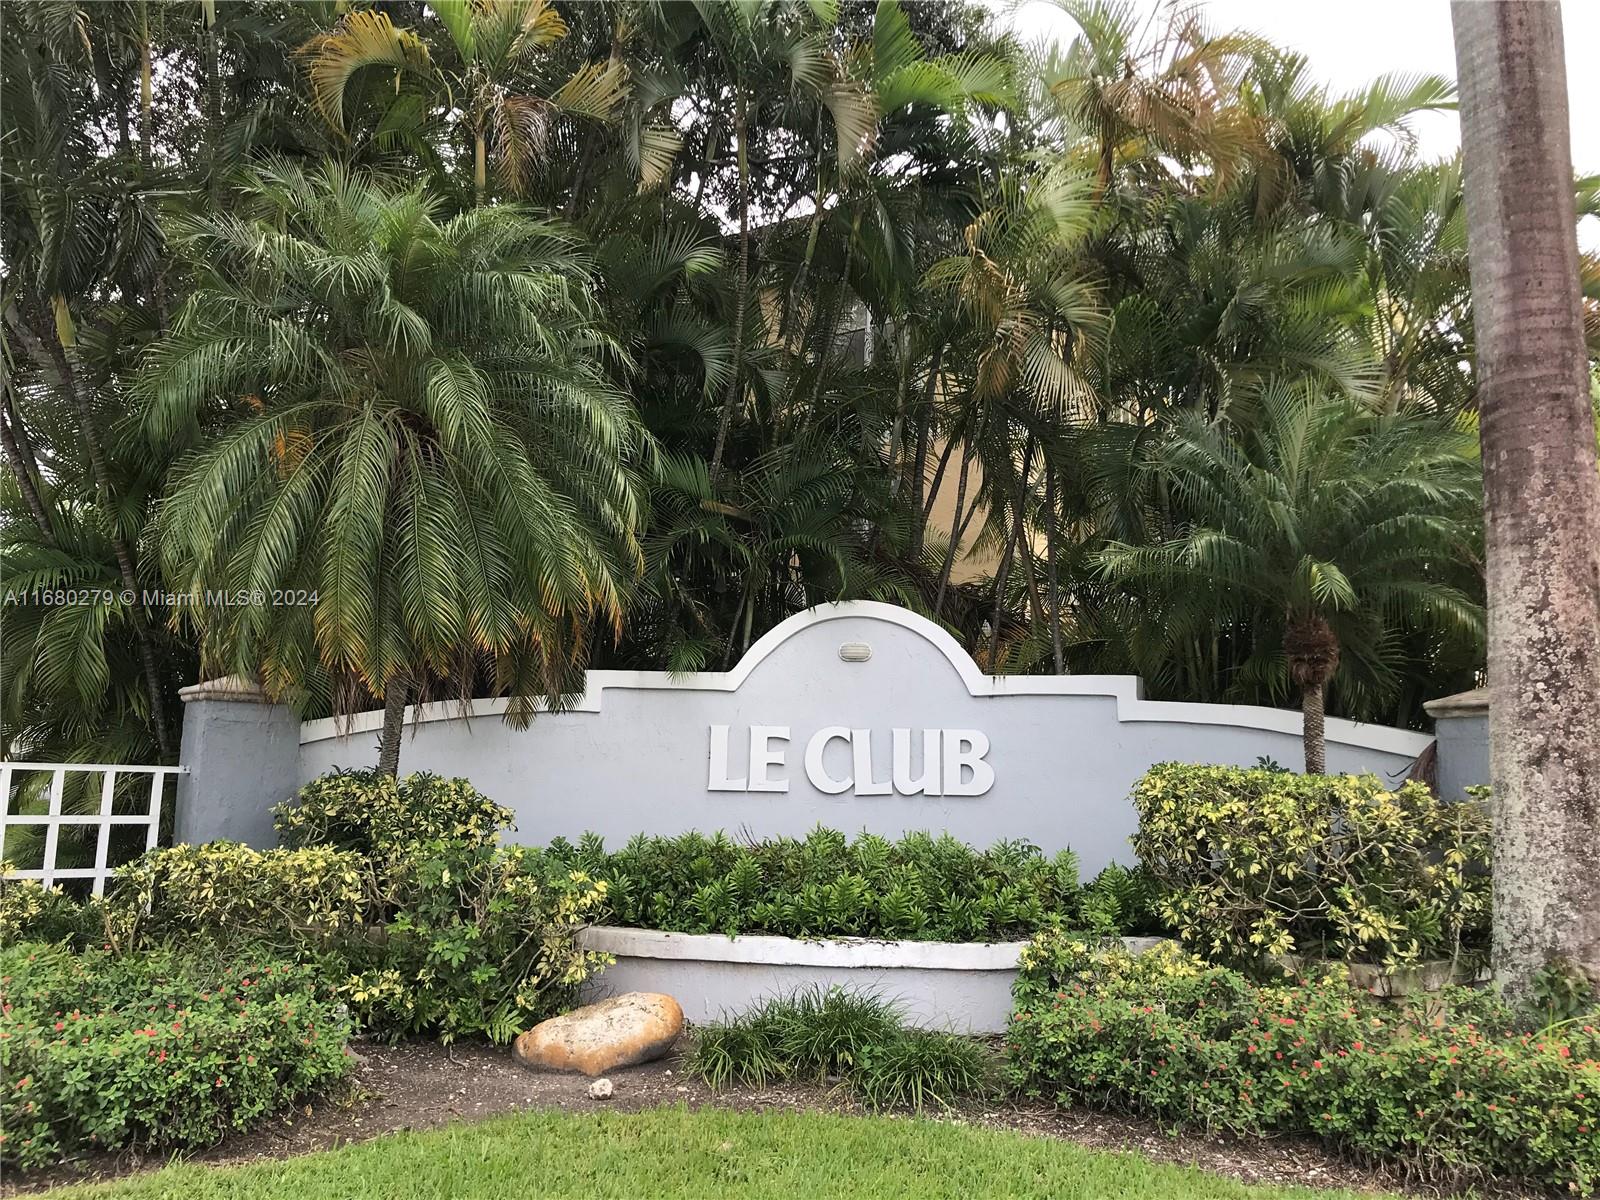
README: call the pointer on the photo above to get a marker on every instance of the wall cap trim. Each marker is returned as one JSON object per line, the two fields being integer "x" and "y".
{"x": 1463, "y": 704}
{"x": 239, "y": 689}
{"x": 782, "y": 951}
{"x": 1127, "y": 690}
{"x": 767, "y": 950}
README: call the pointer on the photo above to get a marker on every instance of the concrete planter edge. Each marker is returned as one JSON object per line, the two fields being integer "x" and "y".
{"x": 962, "y": 986}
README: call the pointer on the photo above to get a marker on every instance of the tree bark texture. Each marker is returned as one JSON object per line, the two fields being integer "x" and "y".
{"x": 1541, "y": 490}
{"x": 1313, "y": 699}
{"x": 394, "y": 721}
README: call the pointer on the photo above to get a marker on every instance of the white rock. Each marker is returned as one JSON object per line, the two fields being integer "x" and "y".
{"x": 600, "y": 1089}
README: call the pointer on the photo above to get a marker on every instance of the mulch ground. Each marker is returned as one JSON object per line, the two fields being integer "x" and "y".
{"x": 422, "y": 1085}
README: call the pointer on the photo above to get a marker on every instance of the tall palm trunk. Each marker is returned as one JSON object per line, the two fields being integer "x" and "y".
{"x": 1055, "y": 574}
{"x": 741, "y": 136}
{"x": 919, "y": 480}
{"x": 1001, "y": 578}
{"x": 1541, "y": 492}
{"x": 955, "y": 536}
{"x": 24, "y": 468}
{"x": 394, "y": 721}
{"x": 146, "y": 88}
{"x": 1312, "y": 650}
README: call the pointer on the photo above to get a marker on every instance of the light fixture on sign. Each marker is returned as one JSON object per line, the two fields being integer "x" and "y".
{"x": 855, "y": 652}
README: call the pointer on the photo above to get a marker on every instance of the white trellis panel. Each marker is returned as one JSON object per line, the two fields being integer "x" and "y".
{"x": 54, "y": 819}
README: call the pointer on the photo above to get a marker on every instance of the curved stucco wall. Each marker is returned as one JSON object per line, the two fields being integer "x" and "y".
{"x": 640, "y": 751}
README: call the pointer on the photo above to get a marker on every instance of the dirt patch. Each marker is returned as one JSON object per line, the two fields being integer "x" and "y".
{"x": 422, "y": 1085}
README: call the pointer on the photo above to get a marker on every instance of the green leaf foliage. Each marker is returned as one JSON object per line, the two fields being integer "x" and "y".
{"x": 1254, "y": 863}
{"x": 1454, "y": 1087}
{"x": 922, "y": 888}
{"x": 101, "y": 1051}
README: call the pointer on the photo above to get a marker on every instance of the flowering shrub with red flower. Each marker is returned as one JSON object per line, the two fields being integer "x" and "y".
{"x": 99, "y": 1050}
{"x": 1449, "y": 1084}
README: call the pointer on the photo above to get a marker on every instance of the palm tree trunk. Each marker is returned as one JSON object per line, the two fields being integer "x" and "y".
{"x": 1055, "y": 577}
{"x": 919, "y": 467}
{"x": 955, "y": 536}
{"x": 1314, "y": 734}
{"x": 932, "y": 498}
{"x": 1540, "y": 488}
{"x": 1001, "y": 578}
{"x": 394, "y": 721}
{"x": 902, "y": 404}
{"x": 24, "y": 468}
{"x": 741, "y": 299}
{"x": 146, "y": 88}
{"x": 1311, "y": 649}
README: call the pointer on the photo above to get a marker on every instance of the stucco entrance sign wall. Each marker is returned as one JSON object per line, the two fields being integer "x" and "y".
{"x": 858, "y": 716}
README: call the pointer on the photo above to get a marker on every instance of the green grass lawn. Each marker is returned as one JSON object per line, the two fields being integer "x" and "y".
{"x": 675, "y": 1154}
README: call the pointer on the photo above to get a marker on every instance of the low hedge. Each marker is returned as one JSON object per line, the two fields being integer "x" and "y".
{"x": 382, "y": 817}
{"x": 1451, "y": 1086}
{"x": 99, "y": 1051}
{"x": 826, "y": 885}
{"x": 1253, "y": 863}
{"x": 228, "y": 894}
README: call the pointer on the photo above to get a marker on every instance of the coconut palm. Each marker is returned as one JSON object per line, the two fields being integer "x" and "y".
{"x": 410, "y": 432}
{"x": 1339, "y": 524}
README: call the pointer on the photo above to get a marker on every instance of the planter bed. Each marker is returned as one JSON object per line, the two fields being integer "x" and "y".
{"x": 961, "y": 986}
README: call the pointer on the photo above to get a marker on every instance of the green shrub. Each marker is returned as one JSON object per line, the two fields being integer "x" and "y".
{"x": 31, "y": 912}
{"x": 482, "y": 940}
{"x": 226, "y": 894}
{"x": 1448, "y": 1085}
{"x": 1119, "y": 901}
{"x": 820, "y": 1033}
{"x": 383, "y": 817}
{"x": 1248, "y": 863}
{"x": 920, "y": 1068}
{"x": 825, "y": 885}
{"x": 99, "y": 1051}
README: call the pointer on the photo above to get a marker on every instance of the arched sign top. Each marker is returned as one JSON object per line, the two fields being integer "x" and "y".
{"x": 1126, "y": 690}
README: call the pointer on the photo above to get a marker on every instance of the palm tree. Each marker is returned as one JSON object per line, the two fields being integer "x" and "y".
{"x": 412, "y": 445}
{"x": 1030, "y": 311}
{"x": 1541, "y": 492}
{"x": 1338, "y": 523}
{"x": 1129, "y": 84}
{"x": 492, "y": 70}
{"x": 771, "y": 53}
{"x": 74, "y": 233}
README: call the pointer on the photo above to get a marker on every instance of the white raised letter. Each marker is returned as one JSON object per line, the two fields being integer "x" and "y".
{"x": 717, "y": 778}
{"x": 815, "y": 771}
{"x": 763, "y": 756}
{"x": 966, "y": 748}
{"x": 928, "y": 785}
{"x": 861, "y": 756}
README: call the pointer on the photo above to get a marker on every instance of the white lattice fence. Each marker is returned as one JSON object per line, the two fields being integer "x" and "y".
{"x": 106, "y": 819}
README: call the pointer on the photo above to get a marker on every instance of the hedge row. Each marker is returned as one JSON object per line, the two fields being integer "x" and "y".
{"x": 1453, "y": 1085}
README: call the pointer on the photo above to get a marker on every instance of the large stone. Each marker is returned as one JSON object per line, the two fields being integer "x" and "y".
{"x": 620, "y": 1032}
